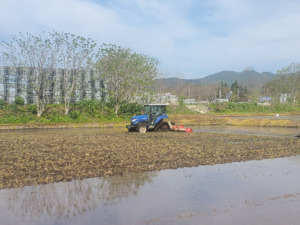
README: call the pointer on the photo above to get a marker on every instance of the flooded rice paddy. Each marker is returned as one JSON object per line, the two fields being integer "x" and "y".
{"x": 55, "y": 155}
{"x": 253, "y": 192}
{"x": 204, "y": 189}
{"x": 274, "y": 117}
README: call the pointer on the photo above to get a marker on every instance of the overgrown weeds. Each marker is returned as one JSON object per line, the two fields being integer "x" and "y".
{"x": 85, "y": 111}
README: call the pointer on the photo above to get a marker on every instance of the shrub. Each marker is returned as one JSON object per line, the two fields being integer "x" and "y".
{"x": 90, "y": 106}
{"x": 32, "y": 109}
{"x": 13, "y": 110}
{"x": 131, "y": 108}
{"x": 19, "y": 100}
{"x": 2, "y": 104}
{"x": 74, "y": 114}
{"x": 219, "y": 107}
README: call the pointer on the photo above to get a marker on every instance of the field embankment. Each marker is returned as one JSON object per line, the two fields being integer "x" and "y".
{"x": 179, "y": 119}
{"x": 238, "y": 120}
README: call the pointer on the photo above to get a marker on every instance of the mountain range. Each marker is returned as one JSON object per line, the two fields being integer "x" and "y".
{"x": 245, "y": 78}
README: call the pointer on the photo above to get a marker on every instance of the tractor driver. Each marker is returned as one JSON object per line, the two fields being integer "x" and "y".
{"x": 158, "y": 112}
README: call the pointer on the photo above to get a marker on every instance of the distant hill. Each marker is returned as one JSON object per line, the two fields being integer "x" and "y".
{"x": 249, "y": 78}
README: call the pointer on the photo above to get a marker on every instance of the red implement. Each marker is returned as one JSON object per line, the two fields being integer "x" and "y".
{"x": 180, "y": 128}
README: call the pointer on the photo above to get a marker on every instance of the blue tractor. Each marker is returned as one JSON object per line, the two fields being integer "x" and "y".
{"x": 152, "y": 119}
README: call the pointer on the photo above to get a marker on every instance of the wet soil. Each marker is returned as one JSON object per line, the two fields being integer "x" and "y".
{"x": 247, "y": 193}
{"x": 53, "y": 155}
{"x": 249, "y": 130}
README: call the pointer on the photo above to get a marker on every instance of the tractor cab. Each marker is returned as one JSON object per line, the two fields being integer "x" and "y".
{"x": 154, "y": 111}
{"x": 150, "y": 119}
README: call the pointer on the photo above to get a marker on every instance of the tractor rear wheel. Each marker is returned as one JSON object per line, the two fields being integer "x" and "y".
{"x": 141, "y": 128}
{"x": 162, "y": 126}
{"x": 165, "y": 127}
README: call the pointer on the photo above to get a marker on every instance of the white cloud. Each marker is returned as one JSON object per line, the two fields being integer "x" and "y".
{"x": 193, "y": 37}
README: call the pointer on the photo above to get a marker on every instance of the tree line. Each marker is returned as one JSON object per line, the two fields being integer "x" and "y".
{"x": 287, "y": 81}
{"x": 205, "y": 92}
{"x": 125, "y": 74}
{"x": 118, "y": 72}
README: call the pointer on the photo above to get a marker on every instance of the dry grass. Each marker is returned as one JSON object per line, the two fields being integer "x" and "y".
{"x": 196, "y": 119}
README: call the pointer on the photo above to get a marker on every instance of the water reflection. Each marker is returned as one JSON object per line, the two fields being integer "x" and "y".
{"x": 59, "y": 201}
{"x": 253, "y": 192}
{"x": 274, "y": 117}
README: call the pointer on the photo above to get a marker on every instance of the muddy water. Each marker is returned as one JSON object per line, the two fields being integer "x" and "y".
{"x": 261, "y": 131}
{"x": 275, "y": 117}
{"x": 254, "y": 192}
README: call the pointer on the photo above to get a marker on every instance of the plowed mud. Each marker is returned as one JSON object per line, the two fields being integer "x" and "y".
{"x": 45, "y": 156}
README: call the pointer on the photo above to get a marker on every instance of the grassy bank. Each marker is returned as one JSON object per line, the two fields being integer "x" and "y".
{"x": 91, "y": 113}
{"x": 253, "y": 108}
{"x": 83, "y": 112}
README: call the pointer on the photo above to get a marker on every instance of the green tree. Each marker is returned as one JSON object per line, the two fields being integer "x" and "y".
{"x": 127, "y": 75}
{"x": 235, "y": 91}
{"x": 181, "y": 104}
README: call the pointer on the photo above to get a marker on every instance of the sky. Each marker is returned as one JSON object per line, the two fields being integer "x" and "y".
{"x": 191, "y": 38}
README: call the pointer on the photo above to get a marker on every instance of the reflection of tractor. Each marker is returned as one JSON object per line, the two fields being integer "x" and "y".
{"x": 152, "y": 118}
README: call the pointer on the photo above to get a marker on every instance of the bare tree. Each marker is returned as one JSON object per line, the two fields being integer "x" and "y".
{"x": 40, "y": 56}
{"x": 75, "y": 56}
{"x": 37, "y": 55}
{"x": 160, "y": 81}
{"x": 289, "y": 78}
{"x": 209, "y": 91}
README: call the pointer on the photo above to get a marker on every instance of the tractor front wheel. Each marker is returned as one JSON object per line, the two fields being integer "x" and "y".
{"x": 141, "y": 128}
